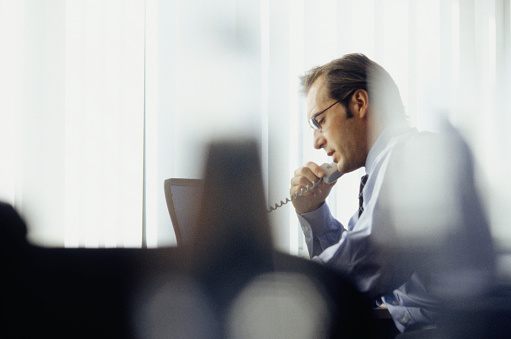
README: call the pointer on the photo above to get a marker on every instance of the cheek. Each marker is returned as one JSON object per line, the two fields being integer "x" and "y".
{"x": 347, "y": 144}
{"x": 350, "y": 135}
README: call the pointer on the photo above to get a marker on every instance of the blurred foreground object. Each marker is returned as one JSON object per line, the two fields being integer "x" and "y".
{"x": 437, "y": 218}
{"x": 231, "y": 282}
{"x": 255, "y": 290}
{"x": 437, "y": 224}
{"x": 228, "y": 282}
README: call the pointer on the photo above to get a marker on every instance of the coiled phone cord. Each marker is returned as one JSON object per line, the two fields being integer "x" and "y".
{"x": 294, "y": 196}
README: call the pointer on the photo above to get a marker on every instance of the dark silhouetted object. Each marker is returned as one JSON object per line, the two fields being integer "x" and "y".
{"x": 233, "y": 255}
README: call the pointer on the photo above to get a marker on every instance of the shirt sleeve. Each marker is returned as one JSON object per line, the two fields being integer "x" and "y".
{"x": 360, "y": 250}
{"x": 321, "y": 229}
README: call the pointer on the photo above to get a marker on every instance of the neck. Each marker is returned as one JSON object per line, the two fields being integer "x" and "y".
{"x": 373, "y": 132}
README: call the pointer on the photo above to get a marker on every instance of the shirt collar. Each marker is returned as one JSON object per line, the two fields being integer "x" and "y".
{"x": 389, "y": 133}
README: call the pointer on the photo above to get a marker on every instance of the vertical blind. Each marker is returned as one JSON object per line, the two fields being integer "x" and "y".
{"x": 102, "y": 101}
{"x": 72, "y": 111}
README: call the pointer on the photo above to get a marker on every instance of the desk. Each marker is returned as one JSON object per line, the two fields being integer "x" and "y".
{"x": 384, "y": 325}
{"x": 381, "y": 312}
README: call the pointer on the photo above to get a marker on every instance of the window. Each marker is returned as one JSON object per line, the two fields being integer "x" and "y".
{"x": 101, "y": 102}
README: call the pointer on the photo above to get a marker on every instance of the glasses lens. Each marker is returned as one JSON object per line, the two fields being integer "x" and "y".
{"x": 314, "y": 124}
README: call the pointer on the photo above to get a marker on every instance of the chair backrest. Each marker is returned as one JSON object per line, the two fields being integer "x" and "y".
{"x": 183, "y": 198}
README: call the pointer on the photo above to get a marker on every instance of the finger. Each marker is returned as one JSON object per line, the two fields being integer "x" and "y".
{"x": 307, "y": 173}
{"x": 305, "y": 182}
{"x": 296, "y": 189}
{"x": 303, "y": 192}
{"x": 299, "y": 183}
{"x": 316, "y": 169}
{"x": 305, "y": 189}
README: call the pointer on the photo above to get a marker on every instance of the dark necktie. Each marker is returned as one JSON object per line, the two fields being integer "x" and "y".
{"x": 363, "y": 181}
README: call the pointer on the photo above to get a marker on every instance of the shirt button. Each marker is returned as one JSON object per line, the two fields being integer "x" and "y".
{"x": 395, "y": 303}
{"x": 306, "y": 228}
{"x": 404, "y": 320}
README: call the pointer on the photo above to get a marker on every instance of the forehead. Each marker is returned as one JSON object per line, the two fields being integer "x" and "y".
{"x": 316, "y": 96}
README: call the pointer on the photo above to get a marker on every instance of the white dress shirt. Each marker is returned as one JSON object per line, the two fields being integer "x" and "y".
{"x": 383, "y": 276}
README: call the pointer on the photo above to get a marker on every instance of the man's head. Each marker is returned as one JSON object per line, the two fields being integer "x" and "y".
{"x": 345, "y": 98}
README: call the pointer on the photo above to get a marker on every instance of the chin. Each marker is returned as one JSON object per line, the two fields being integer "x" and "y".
{"x": 345, "y": 168}
{"x": 340, "y": 167}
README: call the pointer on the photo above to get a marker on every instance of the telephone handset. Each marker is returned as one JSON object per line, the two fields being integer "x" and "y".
{"x": 331, "y": 175}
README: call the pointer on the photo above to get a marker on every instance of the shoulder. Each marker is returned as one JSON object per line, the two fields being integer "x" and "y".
{"x": 445, "y": 151}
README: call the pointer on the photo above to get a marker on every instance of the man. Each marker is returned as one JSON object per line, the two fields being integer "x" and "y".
{"x": 358, "y": 118}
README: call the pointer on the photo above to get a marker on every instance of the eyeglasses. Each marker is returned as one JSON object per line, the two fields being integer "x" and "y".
{"x": 314, "y": 123}
{"x": 317, "y": 125}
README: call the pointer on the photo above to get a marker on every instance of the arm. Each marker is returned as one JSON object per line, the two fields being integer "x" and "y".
{"x": 358, "y": 250}
{"x": 320, "y": 229}
{"x": 376, "y": 268}
{"x": 416, "y": 218}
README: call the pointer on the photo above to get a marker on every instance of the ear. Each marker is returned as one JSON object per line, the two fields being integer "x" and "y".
{"x": 360, "y": 102}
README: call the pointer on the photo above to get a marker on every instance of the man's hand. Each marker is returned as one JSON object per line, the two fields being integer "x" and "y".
{"x": 313, "y": 199}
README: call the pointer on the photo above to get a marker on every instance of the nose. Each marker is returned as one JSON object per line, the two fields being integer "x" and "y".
{"x": 318, "y": 140}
